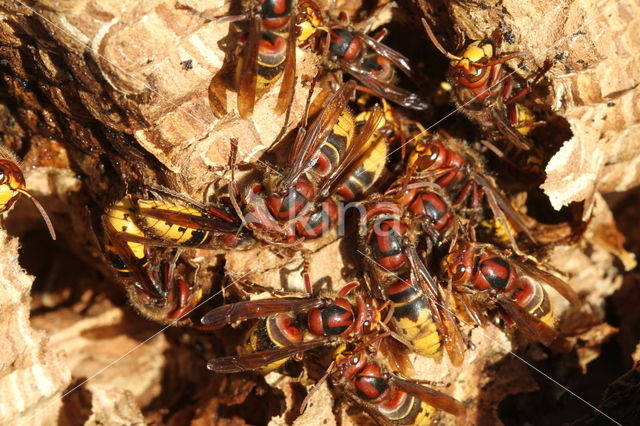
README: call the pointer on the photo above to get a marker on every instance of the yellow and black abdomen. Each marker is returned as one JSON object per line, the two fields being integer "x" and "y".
{"x": 272, "y": 55}
{"x": 367, "y": 174}
{"x": 276, "y": 331}
{"x": 333, "y": 148}
{"x": 372, "y": 167}
{"x": 406, "y": 409}
{"x": 162, "y": 221}
{"x": 121, "y": 218}
{"x": 413, "y": 317}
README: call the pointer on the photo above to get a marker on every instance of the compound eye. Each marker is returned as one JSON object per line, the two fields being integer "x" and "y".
{"x": 424, "y": 161}
{"x": 459, "y": 273}
{"x": 479, "y": 71}
{"x": 3, "y": 177}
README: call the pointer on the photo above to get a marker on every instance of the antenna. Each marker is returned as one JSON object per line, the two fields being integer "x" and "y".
{"x": 43, "y": 213}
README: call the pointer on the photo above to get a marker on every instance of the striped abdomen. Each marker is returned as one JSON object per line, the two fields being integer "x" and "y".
{"x": 166, "y": 230}
{"x": 335, "y": 145}
{"x": 413, "y": 317}
{"x": 276, "y": 331}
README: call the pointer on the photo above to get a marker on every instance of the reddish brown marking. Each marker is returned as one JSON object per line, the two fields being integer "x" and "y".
{"x": 354, "y": 50}
{"x": 394, "y": 401}
{"x": 288, "y": 329}
{"x": 494, "y": 272}
{"x": 323, "y": 164}
{"x": 330, "y": 217}
{"x": 368, "y": 382}
{"x": 297, "y": 198}
{"x": 279, "y": 6}
{"x": 524, "y": 292}
{"x": 275, "y": 23}
{"x": 271, "y": 48}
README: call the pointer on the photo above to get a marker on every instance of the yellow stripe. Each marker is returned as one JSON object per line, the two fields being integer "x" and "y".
{"x": 164, "y": 230}
{"x": 345, "y": 126}
{"x": 121, "y": 217}
{"x": 426, "y": 416}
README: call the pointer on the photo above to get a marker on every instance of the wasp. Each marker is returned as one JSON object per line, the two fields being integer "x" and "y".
{"x": 143, "y": 238}
{"x": 459, "y": 172}
{"x": 486, "y": 93}
{"x": 297, "y": 203}
{"x": 396, "y": 272}
{"x": 372, "y": 63}
{"x": 374, "y": 167}
{"x": 148, "y": 272}
{"x": 483, "y": 275}
{"x": 267, "y": 53}
{"x": 177, "y": 221}
{"x": 386, "y": 397}
{"x": 12, "y": 187}
{"x": 438, "y": 185}
{"x": 292, "y": 325}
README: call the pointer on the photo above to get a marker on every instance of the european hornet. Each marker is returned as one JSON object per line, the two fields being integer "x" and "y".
{"x": 147, "y": 271}
{"x": 452, "y": 166}
{"x": 268, "y": 51}
{"x": 12, "y": 186}
{"x": 482, "y": 275}
{"x": 386, "y": 397}
{"x": 486, "y": 93}
{"x": 373, "y": 168}
{"x": 372, "y": 63}
{"x": 332, "y": 156}
{"x": 179, "y": 221}
{"x": 396, "y": 272}
{"x": 140, "y": 238}
{"x": 292, "y": 325}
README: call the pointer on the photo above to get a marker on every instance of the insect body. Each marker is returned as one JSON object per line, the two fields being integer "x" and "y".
{"x": 374, "y": 165}
{"x": 271, "y": 334}
{"x": 176, "y": 298}
{"x": 298, "y": 203}
{"x": 267, "y": 52}
{"x": 494, "y": 278}
{"x": 187, "y": 226}
{"x": 458, "y": 174}
{"x": 389, "y": 399}
{"x": 372, "y": 63}
{"x": 486, "y": 93}
{"x": 147, "y": 272}
{"x": 290, "y": 325}
{"x": 118, "y": 221}
{"x": 140, "y": 238}
{"x": 12, "y": 186}
{"x": 397, "y": 273}
{"x": 179, "y": 221}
